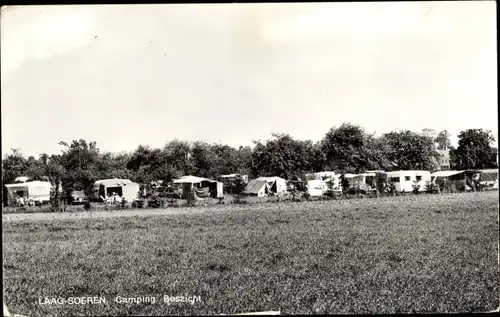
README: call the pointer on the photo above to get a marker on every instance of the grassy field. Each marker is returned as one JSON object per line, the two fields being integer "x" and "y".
{"x": 431, "y": 253}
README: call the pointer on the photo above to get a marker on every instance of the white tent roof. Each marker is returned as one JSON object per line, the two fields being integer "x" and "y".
{"x": 348, "y": 175}
{"x": 368, "y": 174}
{"x": 23, "y": 179}
{"x": 192, "y": 180}
{"x": 27, "y": 184}
{"x": 324, "y": 173}
{"x": 229, "y": 175}
{"x": 270, "y": 179}
{"x": 492, "y": 170}
{"x": 445, "y": 173}
{"x": 113, "y": 182}
{"x": 406, "y": 172}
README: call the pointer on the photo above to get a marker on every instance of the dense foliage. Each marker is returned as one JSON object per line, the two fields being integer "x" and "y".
{"x": 347, "y": 149}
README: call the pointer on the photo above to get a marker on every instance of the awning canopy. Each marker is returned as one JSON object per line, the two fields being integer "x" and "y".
{"x": 445, "y": 173}
{"x": 368, "y": 174}
{"x": 30, "y": 184}
{"x": 270, "y": 179}
{"x": 189, "y": 179}
{"x": 228, "y": 176}
{"x": 22, "y": 179}
{"x": 113, "y": 182}
{"x": 489, "y": 171}
{"x": 349, "y": 175}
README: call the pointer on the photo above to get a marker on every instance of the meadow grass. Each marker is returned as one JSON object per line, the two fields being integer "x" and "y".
{"x": 433, "y": 253}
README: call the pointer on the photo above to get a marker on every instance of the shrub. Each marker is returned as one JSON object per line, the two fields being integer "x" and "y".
{"x": 344, "y": 182}
{"x": 391, "y": 188}
{"x": 87, "y": 206}
{"x": 430, "y": 187}
{"x": 155, "y": 201}
{"x": 239, "y": 201}
{"x": 138, "y": 203}
{"x": 306, "y": 195}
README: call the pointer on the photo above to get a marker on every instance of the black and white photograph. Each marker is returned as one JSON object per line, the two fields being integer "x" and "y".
{"x": 210, "y": 159}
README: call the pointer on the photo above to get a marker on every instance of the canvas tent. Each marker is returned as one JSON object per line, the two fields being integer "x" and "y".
{"x": 485, "y": 179}
{"x": 277, "y": 184}
{"x": 36, "y": 191}
{"x": 263, "y": 186}
{"x": 124, "y": 188}
{"x": 200, "y": 187}
{"x": 450, "y": 179}
{"x": 488, "y": 177}
{"x": 467, "y": 178}
{"x": 257, "y": 188}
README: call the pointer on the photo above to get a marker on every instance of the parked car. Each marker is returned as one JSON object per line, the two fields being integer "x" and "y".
{"x": 78, "y": 197}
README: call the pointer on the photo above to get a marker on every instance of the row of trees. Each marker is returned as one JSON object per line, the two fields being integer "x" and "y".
{"x": 347, "y": 148}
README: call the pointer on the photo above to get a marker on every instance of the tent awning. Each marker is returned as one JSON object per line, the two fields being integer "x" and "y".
{"x": 30, "y": 184}
{"x": 192, "y": 180}
{"x": 489, "y": 171}
{"x": 445, "y": 173}
{"x": 113, "y": 182}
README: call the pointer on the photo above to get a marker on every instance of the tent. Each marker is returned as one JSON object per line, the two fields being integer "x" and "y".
{"x": 257, "y": 188}
{"x": 277, "y": 185}
{"x": 37, "y": 191}
{"x": 449, "y": 179}
{"x": 489, "y": 176}
{"x": 124, "y": 188}
{"x": 201, "y": 187}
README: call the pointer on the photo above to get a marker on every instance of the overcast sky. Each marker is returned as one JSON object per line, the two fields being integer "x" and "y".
{"x": 146, "y": 74}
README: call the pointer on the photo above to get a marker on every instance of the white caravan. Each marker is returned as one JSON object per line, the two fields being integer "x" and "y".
{"x": 404, "y": 180}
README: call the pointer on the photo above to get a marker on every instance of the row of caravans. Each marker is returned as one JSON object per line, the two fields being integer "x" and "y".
{"x": 404, "y": 181}
{"x": 317, "y": 184}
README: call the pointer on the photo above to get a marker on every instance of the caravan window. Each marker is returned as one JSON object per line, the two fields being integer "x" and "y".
{"x": 394, "y": 179}
{"x": 407, "y": 178}
{"x": 419, "y": 178}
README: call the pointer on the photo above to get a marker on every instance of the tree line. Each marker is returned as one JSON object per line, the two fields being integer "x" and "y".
{"x": 347, "y": 148}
